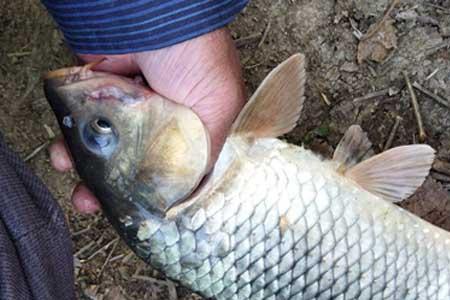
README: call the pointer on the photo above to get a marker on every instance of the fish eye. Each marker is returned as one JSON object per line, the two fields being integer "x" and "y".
{"x": 101, "y": 126}
{"x": 99, "y": 136}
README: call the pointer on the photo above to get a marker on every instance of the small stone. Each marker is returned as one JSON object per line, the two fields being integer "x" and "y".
{"x": 445, "y": 31}
{"x": 349, "y": 67}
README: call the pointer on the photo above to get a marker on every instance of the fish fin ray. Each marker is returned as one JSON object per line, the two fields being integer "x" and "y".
{"x": 395, "y": 174}
{"x": 353, "y": 148}
{"x": 275, "y": 107}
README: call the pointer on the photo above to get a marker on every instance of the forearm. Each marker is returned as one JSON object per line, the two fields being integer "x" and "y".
{"x": 117, "y": 27}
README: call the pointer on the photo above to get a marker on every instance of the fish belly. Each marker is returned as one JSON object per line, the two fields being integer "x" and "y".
{"x": 289, "y": 227}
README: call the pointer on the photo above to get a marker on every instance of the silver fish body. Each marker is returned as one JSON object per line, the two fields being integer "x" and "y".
{"x": 277, "y": 222}
{"x": 272, "y": 220}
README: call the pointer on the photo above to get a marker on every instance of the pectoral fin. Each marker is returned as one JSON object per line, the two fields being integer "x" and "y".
{"x": 353, "y": 148}
{"x": 275, "y": 107}
{"x": 395, "y": 174}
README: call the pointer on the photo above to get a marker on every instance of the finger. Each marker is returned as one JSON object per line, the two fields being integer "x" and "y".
{"x": 118, "y": 64}
{"x": 59, "y": 156}
{"x": 84, "y": 201}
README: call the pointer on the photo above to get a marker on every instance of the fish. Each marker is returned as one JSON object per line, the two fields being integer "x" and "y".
{"x": 271, "y": 220}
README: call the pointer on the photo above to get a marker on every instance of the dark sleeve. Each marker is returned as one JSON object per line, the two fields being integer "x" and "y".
{"x": 117, "y": 26}
{"x": 36, "y": 260}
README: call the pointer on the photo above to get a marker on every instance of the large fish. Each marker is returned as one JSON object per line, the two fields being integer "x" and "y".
{"x": 272, "y": 220}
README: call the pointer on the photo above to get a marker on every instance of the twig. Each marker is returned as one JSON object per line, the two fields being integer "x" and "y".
{"x": 19, "y": 54}
{"x": 137, "y": 271}
{"x": 356, "y": 32}
{"x": 325, "y": 99}
{"x": 117, "y": 257}
{"x": 84, "y": 248}
{"x": 441, "y": 166}
{"x": 30, "y": 88}
{"x": 84, "y": 230}
{"x": 445, "y": 10}
{"x": 266, "y": 32}
{"x": 124, "y": 293}
{"x": 415, "y": 103}
{"x": 106, "y": 246}
{"x": 108, "y": 258}
{"x": 440, "y": 177}
{"x": 36, "y": 151}
{"x": 171, "y": 287}
{"x": 172, "y": 290}
{"x": 252, "y": 66}
{"x": 50, "y": 133}
{"x": 80, "y": 232}
{"x": 390, "y": 139}
{"x": 380, "y": 24}
{"x": 436, "y": 98}
{"x": 434, "y": 49}
{"x": 431, "y": 74}
{"x": 425, "y": 20}
{"x": 149, "y": 279}
{"x": 244, "y": 41}
{"x": 371, "y": 95}
{"x": 372, "y": 70}
{"x": 3, "y": 68}
{"x": 127, "y": 258}
{"x": 447, "y": 187}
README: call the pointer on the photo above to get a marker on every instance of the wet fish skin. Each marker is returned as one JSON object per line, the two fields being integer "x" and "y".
{"x": 273, "y": 220}
{"x": 289, "y": 227}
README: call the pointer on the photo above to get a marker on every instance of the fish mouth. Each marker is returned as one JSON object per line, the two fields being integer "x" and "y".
{"x": 84, "y": 83}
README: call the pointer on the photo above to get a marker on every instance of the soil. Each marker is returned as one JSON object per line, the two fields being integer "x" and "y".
{"x": 417, "y": 41}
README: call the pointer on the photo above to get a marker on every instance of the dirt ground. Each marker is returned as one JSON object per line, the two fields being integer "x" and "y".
{"x": 414, "y": 38}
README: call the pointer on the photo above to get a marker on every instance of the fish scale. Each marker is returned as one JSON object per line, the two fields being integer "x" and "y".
{"x": 313, "y": 239}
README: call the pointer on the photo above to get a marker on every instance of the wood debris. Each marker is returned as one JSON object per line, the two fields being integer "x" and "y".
{"x": 379, "y": 40}
{"x": 415, "y": 104}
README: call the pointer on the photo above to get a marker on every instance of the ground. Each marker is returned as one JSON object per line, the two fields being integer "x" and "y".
{"x": 413, "y": 38}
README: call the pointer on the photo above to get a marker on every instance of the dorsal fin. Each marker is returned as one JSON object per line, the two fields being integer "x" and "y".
{"x": 395, "y": 174}
{"x": 275, "y": 107}
{"x": 353, "y": 148}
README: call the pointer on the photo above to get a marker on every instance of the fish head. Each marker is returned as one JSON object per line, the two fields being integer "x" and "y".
{"x": 128, "y": 143}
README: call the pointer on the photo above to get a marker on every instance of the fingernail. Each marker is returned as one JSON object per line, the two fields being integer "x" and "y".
{"x": 86, "y": 206}
{"x": 60, "y": 160}
{"x": 59, "y": 157}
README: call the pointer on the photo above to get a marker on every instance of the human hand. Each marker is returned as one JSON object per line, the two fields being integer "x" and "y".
{"x": 203, "y": 73}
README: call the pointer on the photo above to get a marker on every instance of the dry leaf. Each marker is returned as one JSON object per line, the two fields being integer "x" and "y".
{"x": 379, "y": 41}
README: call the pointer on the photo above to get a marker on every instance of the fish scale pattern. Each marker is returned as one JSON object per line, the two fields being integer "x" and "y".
{"x": 279, "y": 230}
